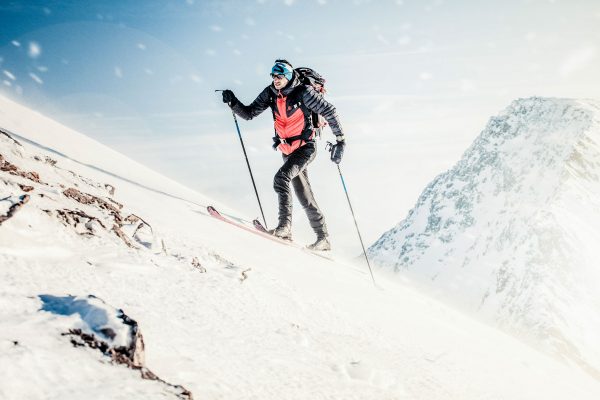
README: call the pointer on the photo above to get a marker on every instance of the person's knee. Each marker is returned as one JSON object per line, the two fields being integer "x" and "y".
{"x": 281, "y": 181}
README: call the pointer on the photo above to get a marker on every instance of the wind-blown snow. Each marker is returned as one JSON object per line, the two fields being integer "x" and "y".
{"x": 223, "y": 312}
{"x": 512, "y": 230}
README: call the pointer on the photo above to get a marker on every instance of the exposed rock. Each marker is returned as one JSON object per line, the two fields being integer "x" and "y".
{"x": 46, "y": 159}
{"x": 196, "y": 264}
{"x": 85, "y": 198}
{"x": 26, "y": 188}
{"x": 245, "y": 274}
{"x": 82, "y": 222}
{"x": 14, "y": 208}
{"x": 119, "y": 232}
{"x": 12, "y": 169}
{"x": 110, "y": 188}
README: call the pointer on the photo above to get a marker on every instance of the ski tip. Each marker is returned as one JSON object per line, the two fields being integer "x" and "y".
{"x": 259, "y": 226}
{"x": 212, "y": 211}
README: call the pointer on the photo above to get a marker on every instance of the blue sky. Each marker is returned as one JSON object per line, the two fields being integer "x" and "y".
{"x": 414, "y": 81}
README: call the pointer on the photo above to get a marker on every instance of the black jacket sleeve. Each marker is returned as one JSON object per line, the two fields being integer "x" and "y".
{"x": 260, "y": 104}
{"x": 315, "y": 102}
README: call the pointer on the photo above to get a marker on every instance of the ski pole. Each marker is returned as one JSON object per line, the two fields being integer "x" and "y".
{"x": 330, "y": 148}
{"x": 248, "y": 163}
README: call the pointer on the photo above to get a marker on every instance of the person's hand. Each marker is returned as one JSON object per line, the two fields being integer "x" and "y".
{"x": 337, "y": 151}
{"x": 229, "y": 97}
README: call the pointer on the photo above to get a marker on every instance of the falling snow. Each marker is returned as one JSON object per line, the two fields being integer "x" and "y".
{"x": 36, "y": 78}
{"x": 35, "y": 50}
{"x": 9, "y": 75}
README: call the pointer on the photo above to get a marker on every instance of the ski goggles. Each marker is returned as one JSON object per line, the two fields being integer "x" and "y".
{"x": 282, "y": 69}
{"x": 277, "y": 76}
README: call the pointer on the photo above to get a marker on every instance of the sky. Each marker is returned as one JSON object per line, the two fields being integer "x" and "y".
{"x": 414, "y": 83}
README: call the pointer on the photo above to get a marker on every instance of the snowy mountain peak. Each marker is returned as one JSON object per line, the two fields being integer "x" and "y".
{"x": 511, "y": 230}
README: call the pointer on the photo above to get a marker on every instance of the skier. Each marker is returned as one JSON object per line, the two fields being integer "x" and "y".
{"x": 292, "y": 103}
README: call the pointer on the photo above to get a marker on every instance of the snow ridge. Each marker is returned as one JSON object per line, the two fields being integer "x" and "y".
{"x": 510, "y": 230}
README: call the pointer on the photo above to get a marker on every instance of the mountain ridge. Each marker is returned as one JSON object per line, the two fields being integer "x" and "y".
{"x": 501, "y": 230}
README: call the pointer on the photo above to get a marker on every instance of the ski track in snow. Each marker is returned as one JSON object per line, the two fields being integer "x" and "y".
{"x": 297, "y": 327}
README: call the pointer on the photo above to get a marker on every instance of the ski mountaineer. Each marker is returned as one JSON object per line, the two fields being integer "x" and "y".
{"x": 292, "y": 102}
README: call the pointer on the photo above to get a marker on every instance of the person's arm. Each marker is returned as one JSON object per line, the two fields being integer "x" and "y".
{"x": 315, "y": 102}
{"x": 260, "y": 104}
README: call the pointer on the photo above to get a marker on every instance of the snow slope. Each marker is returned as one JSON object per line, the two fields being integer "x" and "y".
{"x": 223, "y": 312}
{"x": 512, "y": 230}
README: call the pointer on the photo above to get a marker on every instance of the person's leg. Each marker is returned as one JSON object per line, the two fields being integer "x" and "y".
{"x": 306, "y": 197}
{"x": 292, "y": 166}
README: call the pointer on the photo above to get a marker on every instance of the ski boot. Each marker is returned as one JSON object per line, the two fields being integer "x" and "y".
{"x": 322, "y": 244}
{"x": 282, "y": 232}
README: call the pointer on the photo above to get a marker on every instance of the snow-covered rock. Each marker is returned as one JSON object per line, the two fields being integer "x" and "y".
{"x": 95, "y": 318}
{"x": 90, "y": 322}
{"x": 512, "y": 230}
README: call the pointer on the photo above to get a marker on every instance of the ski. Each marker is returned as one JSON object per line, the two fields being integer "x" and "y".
{"x": 259, "y": 229}
{"x": 213, "y": 212}
{"x": 258, "y": 226}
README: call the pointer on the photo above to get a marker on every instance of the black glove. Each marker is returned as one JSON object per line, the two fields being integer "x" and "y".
{"x": 337, "y": 151}
{"x": 229, "y": 97}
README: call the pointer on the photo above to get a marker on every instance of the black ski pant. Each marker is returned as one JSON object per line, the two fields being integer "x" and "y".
{"x": 294, "y": 171}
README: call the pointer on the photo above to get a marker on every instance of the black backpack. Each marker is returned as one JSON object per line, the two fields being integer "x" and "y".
{"x": 310, "y": 77}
